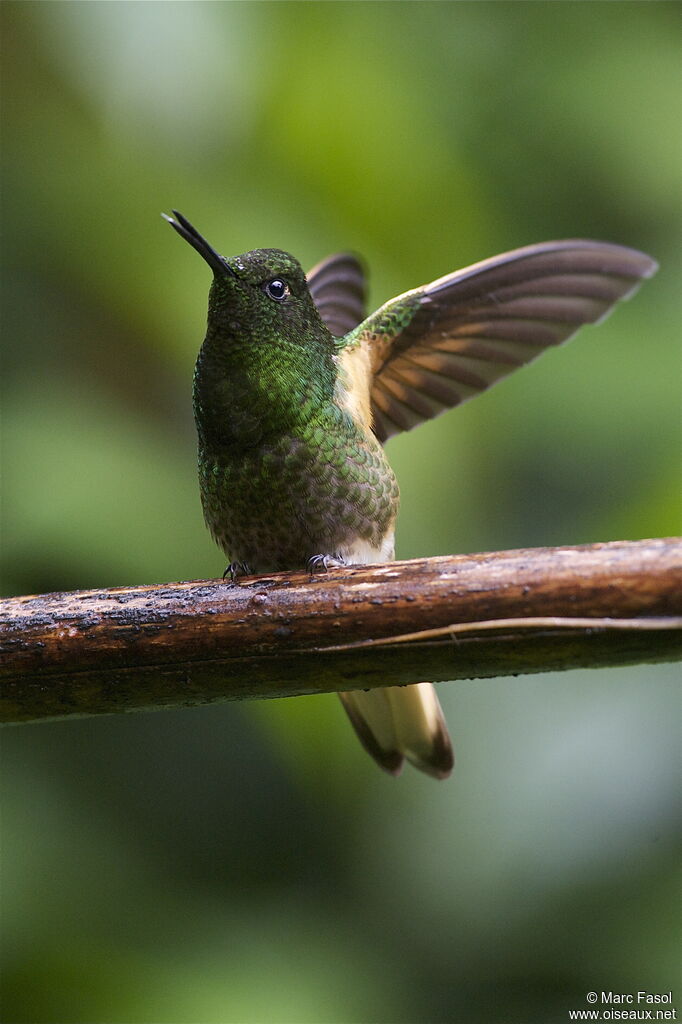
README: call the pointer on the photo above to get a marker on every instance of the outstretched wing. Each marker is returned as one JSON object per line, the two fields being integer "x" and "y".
{"x": 339, "y": 291}
{"x": 436, "y": 346}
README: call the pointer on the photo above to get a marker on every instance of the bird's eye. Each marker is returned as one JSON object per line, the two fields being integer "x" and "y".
{"x": 277, "y": 289}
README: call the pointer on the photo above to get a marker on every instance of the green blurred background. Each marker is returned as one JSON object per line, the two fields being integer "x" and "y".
{"x": 246, "y": 863}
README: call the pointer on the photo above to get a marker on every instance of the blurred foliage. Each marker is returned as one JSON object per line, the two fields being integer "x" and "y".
{"x": 247, "y": 863}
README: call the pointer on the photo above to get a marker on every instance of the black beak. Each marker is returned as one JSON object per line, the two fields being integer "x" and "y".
{"x": 183, "y": 227}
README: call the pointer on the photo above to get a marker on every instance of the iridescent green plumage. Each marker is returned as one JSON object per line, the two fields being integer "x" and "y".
{"x": 294, "y": 393}
{"x": 313, "y": 491}
{"x": 286, "y": 473}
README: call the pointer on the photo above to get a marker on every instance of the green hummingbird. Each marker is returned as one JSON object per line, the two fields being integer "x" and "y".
{"x": 296, "y": 390}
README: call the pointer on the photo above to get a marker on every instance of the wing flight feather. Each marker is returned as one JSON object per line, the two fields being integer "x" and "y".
{"x": 338, "y": 288}
{"x": 439, "y": 345}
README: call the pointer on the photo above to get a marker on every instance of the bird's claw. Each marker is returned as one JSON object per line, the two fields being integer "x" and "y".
{"x": 323, "y": 563}
{"x": 236, "y": 569}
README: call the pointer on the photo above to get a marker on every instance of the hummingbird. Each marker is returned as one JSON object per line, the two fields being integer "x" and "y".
{"x": 296, "y": 390}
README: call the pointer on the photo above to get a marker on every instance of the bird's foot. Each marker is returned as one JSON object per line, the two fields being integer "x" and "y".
{"x": 323, "y": 563}
{"x": 236, "y": 569}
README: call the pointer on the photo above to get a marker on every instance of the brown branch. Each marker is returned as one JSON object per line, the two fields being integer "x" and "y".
{"x": 462, "y": 617}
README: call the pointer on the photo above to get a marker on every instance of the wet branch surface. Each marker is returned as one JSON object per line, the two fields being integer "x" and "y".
{"x": 458, "y": 617}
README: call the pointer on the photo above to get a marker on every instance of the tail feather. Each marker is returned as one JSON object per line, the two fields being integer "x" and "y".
{"x": 399, "y": 722}
{"x": 371, "y": 717}
{"x": 420, "y": 728}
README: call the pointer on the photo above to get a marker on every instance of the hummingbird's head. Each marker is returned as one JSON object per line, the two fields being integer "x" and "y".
{"x": 259, "y": 296}
{"x": 267, "y": 359}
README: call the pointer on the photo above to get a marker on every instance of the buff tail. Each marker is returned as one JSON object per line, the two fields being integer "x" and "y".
{"x": 398, "y": 722}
